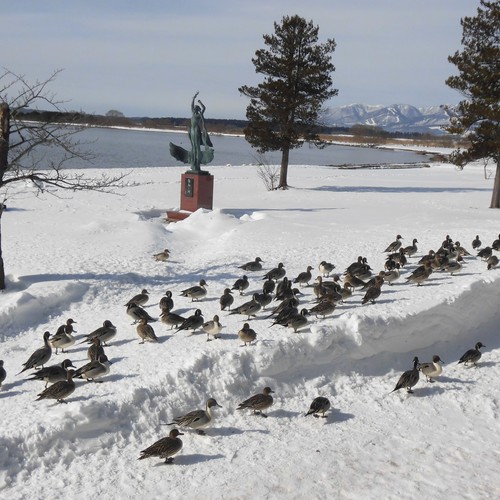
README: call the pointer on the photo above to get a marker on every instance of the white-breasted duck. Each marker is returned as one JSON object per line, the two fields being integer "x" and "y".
{"x": 95, "y": 369}
{"x": 212, "y": 328}
{"x": 104, "y": 333}
{"x": 432, "y": 369}
{"x": 63, "y": 337}
{"x": 395, "y": 245}
{"x": 197, "y": 419}
{"x": 325, "y": 268}
{"x": 196, "y": 292}
{"x": 140, "y": 299}
{"x": 137, "y": 313}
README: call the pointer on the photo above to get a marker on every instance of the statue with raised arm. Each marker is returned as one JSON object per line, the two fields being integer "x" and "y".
{"x": 201, "y": 146}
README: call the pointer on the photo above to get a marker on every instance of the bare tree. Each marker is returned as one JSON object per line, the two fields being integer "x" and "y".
{"x": 24, "y": 146}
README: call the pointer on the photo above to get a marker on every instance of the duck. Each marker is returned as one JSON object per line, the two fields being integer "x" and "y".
{"x": 319, "y": 405}
{"x": 460, "y": 250}
{"x": 411, "y": 249}
{"x": 304, "y": 277}
{"x": 165, "y": 447}
{"x": 137, "y": 313}
{"x": 264, "y": 299}
{"x": 492, "y": 262}
{"x": 192, "y": 322}
{"x": 252, "y": 266}
{"x": 172, "y": 319}
{"x": 325, "y": 268}
{"x": 353, "y": 281}
{"x": 373, "y": 293}
{"x": 146, "y": 331}
{"x": 140, "y": 299}
{"x": 455, "y": 266}
{"x": 420, "y": 274}
{"x": 166, "y": 302}
{"x": 250, "y": 308}
{"x": 276, "y": 273}
{"x": 63, "y": 337}
{"x": 104, "y": 333}
{"x": 226, "y": 300}
{"x": 485, "y": 253}
{"x": 196, "y": 292}
{"x": 212, "y": 328}
{"x": 286, "y": 314}
{"x": 258, "y": 402}
{"x": 268, "y": 286}
{"x": 94, "y": 369}
{"x": 54, "y": 373}
{"x": 282, "y": 288}
{"x": 472, "y": 356}
{"x": 3, "y": 373}
{"x": 476, "y": 243}
{"x": 298, "y": 321}
{"x": 395, "y": 245}
{"x": 409, "y": 378}
{"x": 40, "y": 357}
{"x": 247, "y": 335}
{"x": 496, "y": 244}
{"x": 197, "y": 419}
{"x": 392, "y": 275}
{"x": 60, "y": 390}
{"x": 95, "y": 350}
{"x": 323, "y": 308}
{"x": 241, "y": 284}
{"x": 346, "y": 292}
{"x": 432, "y": 369}
{"x": 162, "y": 256}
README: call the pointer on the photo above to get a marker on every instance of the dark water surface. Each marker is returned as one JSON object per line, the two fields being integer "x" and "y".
{"x": 117, "y": 148}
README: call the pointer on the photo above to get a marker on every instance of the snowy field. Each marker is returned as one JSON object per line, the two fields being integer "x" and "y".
{"x": 84, "y": 255}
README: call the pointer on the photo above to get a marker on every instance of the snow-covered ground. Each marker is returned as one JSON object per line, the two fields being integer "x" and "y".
{"x": 85, "y": 256}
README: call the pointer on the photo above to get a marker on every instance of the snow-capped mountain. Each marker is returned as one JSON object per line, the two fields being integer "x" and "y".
{"x": 393, "y": 118}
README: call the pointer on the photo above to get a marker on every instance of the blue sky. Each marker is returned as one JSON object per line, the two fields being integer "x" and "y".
{"x": 148, "y": 58}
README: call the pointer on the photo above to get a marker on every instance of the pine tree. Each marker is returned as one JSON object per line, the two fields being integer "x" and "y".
{"x": 284, "y": 109}
{"x": 478, "y": 81}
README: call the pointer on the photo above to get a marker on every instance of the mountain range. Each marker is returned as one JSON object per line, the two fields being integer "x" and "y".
{"x": 393, "y": 118}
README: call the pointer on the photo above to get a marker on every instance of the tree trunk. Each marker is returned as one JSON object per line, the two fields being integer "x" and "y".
{"x": 285, "y": 153}
{"x": 4, "y": 155}
{"x": 495, "y": 198}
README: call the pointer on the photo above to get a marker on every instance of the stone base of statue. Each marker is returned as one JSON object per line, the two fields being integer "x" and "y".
{"x": 197, "y": 191}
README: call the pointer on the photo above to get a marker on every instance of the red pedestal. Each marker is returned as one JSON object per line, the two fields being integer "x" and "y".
{"x": 197, "y": 191}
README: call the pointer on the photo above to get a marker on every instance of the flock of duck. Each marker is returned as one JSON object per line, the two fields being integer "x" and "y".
{"x": 276, "y": 286}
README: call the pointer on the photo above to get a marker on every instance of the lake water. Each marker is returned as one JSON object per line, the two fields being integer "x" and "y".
{"x": 117, "y": 148}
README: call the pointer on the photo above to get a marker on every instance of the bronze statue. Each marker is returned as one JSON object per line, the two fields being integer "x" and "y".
{"x": 199, "y": 138}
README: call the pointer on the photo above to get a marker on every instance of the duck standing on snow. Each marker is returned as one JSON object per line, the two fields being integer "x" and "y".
{"x": 54, "y": 373}
{"x": 485, "y": 253}
{"x": 95, "y": 350}
{"x": 162, "y": 256}
{"x": 304, "y": 277}
{"x": 226, "y": 300}
{"x": 3, "y": 373}
{"x": 432, "y": 369}
{"x": 212, "y": 328}
{"x": 476, "y": 242}
{"x": 472, "y": 356}
{"x": 241, "y": 284}
{"x": 319, "y": 405}
{"x": 276, "y": 273}
{"x": 492, "y": 262}
{"x": 165, "y": 447}
{"x": 140, "y": 299}
{"x": 60, "y": 390}
{"x": 63, "y": 337}
{"x": 40, "y": 356}
{"x": 166, "y": 302}
{"x": 146, "y": 331}
{"x": 325, "y": 268}
{"x": 94, "y": 369}
{"x": 258, "y": 402}
{"x": 254, "y": 265}
{"x": 196, "y": 292}
{"x": 250, "y": 308}
{"x": 395, "y": 245}
{"x": 247, "y": 335}
{"x": 137, "y": 313}
{"x": 104, "y": 333}
{"x": 172, "y": 319}
{"x": 192, "y": 322}
{"x": 197, "y": 419}
{"x": 409, "y": 378}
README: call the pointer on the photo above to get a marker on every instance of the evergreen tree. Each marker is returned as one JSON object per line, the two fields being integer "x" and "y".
{"x": 284, "y": 108}
{"x": 479, "y": 82}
